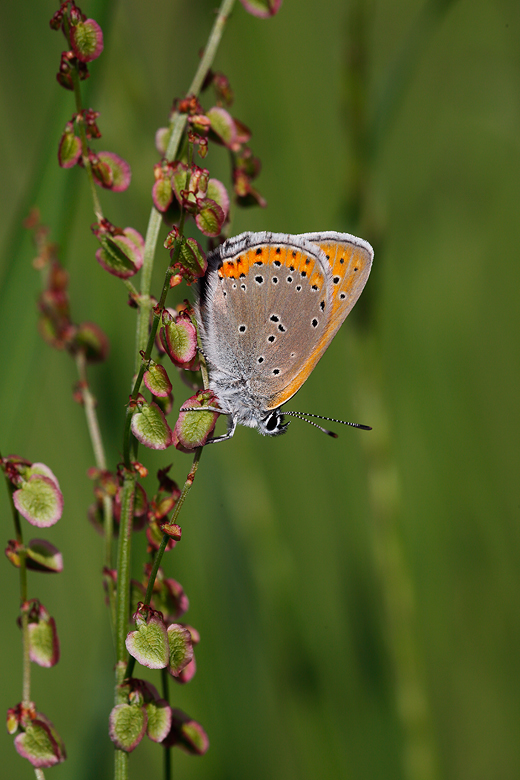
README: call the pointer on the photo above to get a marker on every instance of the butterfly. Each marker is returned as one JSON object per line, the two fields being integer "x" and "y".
{"x": 269, "y": 305}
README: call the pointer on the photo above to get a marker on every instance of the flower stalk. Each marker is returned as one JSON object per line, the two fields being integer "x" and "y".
{"x": 82, "y": 131}
{"x": 178, "y": 123}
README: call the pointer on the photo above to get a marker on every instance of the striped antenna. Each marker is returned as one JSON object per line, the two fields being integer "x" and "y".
{"x": 303, "y": 416}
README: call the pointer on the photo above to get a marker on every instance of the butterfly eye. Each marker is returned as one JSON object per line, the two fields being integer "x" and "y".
{"x": 273, "y": 422}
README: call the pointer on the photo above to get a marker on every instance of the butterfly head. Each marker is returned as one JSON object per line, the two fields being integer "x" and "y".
{"x": 272, "y": 424}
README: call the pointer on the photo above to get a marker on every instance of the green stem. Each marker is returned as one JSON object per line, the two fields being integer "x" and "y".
{"x": 143, "y": 317}
{"x": 146, "y": 343}
{"x": 164, "y": 541}
{"x": 26, "y": 661}
{"x": 397, "y": 587}
{"x": 148, "y": 352}
{"x": 26, "y": 689}
{"x": 120, "y": 765}
{"x": 399, "y": 74}
{"x": 167, "y": 767}
{"x": 89, "y": 404}
{"x": 131, "y": 289}
{"x": 123, "y": 603}
{"x": 178, "y": 506}
{"x": 26, "y": 675}
{"x": 419, "y": 751}
{"x": 80, "y": 124}
{"x": 127, "y": 433}
{"x": 178, "y": 124}
{"x": 123, "y": 564}
{"x": 211, "y": 48}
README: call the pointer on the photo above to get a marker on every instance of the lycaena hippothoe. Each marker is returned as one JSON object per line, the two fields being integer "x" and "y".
{"x": 269, "y": 306}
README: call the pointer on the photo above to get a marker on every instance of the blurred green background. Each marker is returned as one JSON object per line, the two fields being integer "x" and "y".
{"x": 358, "y": 600}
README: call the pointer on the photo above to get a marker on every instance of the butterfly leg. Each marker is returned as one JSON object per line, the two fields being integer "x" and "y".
{"x": 201, "y": 352}
{"x": 231, "y": 427}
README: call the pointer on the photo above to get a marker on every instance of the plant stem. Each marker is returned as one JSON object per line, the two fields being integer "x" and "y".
{"x": 145, "y": 342}
{"x": 123, "y": 563}
{"x": 177, "y": 124}
{"x": 164, "y": 541}
{"x": 212, "y": 46}
{"x": 167, "y": 767}
{"x": 143, "y": 317}
{"x": 120, "y": 765}
{"x": 131, "y": 289}
{"x": 148, "y": 352}
{"x": 123, "y": 603}
{"x": 399, "y": 74}
{"x": 26, "y": 689}
{"x": 419, "y": 750}
{"x": 82, "y": 131}
{"x": 89, "y": 403}
{"x": 178, "y": 506}
{"x": 26, "y": 660}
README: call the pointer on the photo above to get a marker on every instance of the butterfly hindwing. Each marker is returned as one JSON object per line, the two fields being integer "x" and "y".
{"x": 349, "y": 259}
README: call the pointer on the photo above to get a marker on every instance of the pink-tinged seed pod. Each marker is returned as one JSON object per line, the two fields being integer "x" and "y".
{"x": 86, "y": 39}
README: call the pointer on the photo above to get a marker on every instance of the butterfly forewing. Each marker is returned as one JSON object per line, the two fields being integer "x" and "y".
{"x": 272, "y": 303}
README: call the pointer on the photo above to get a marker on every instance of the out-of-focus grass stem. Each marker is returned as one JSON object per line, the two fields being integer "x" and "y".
{"x": 368, "y": 132}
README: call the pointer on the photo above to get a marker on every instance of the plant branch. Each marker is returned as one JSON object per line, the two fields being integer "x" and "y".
{"x": 26, "y": 660}
{"x": 123, "y": 563}
{"x": 177, "y": 125}
{"x": 89, "y": 403}
{"x": 400, "y": 73}
{"x": 144, "y": 342}
{"x": 148, "y": 352}
{"x": 164, "y": 541}
{"x": 82, "y": 131}
{"x": 123, "y": 603}
{"x": 368, "y": 135}
{"x": 167, "y": 764}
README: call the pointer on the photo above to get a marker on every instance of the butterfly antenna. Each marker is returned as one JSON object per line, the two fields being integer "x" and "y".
{"x": 304, "y": 415}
